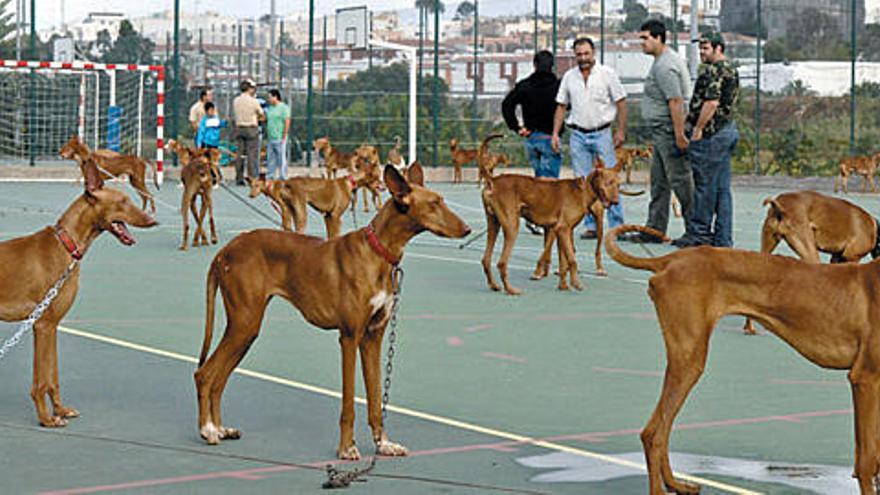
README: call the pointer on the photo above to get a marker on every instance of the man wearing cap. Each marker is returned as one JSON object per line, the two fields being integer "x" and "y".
{"x": 713, "y": 138}
{"x": 597, "y": 99}
{"x": 247, "y": 114}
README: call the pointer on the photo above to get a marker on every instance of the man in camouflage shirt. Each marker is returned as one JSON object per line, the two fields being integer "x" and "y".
{"x": 713, "y": 138}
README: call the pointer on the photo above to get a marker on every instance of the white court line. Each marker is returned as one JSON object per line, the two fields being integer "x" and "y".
{"x": 410, "y": 254}
{"x": 413, "y": 413}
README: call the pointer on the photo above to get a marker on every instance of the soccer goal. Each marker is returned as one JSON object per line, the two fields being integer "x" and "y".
{"x": 113, "y": 106}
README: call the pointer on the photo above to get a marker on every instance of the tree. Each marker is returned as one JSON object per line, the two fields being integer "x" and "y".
{"x": 636, "y": 13}
{"x": 129, "y": 47}
{"x": 869, "y": 44}
{"x": 429, "y": 5}
{"x": 813, "y": 33}
{"x": 465, "y": 9}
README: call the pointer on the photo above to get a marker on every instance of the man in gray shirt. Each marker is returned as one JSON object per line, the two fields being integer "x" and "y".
{"x": 667, "y": 91}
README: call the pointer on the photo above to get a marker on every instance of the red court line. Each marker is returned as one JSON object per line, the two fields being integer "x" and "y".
{"x": 505, "y": 446}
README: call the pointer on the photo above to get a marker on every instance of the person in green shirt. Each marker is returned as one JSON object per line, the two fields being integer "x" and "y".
{"x": 277, "y": 130}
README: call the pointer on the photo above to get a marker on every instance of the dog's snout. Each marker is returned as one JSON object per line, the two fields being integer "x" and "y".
{"x": 467, "y": 230}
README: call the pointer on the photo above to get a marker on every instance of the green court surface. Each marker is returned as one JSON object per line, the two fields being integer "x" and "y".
{"x": 541, "y": 393}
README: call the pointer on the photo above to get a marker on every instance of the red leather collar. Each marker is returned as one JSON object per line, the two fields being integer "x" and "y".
{"x": 68, "y": 243}
{"x": 377, "y": 246}
{"x": 351, "y": 181}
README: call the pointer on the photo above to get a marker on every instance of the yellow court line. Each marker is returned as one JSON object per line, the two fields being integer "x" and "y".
{"x": 413, "y": 413}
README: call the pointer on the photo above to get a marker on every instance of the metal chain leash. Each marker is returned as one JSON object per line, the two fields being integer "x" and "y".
{"x": 343, "y": 479}
{"x": 38, "y": 311}
{"x": 354, "y": 219}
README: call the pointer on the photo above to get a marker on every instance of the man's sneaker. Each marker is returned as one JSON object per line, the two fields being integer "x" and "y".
{"x": 642, "y": 238}
{"x": 588, "y": 234}
{"x": 534, "y": 229}
{"x": 687, "y": 241}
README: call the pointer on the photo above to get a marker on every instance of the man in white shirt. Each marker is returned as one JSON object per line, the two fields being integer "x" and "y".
{"x": 596, "y": 98}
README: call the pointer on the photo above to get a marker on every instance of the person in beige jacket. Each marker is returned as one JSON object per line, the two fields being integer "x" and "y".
{"x": 247, "y": 115}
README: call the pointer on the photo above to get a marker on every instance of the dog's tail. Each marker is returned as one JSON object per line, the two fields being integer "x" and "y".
{"x": 626, "y": 259}
{"x": 211, "y": 294}
{"x": 485, "y": 145}
{"x": 774, "y": 204}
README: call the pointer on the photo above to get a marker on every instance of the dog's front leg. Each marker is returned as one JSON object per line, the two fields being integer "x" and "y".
{"x": 347, "y": 450}
{"x": 371, "y": 350}
{"x": 43, "y": 385}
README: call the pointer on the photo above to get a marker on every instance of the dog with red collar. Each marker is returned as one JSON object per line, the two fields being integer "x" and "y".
{"x": 31, "y": 265}
{"x": 343, "y": 283}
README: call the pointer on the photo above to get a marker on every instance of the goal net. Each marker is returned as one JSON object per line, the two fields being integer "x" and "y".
{"x": 114, "y": 106}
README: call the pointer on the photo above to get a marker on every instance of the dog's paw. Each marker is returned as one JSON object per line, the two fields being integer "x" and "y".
{"x": 211, "y": 434}
{"x": 66, "y": 412}
{"x": 183, "y": 247}
{"x": 54, "y": 422}
{"x": 213, "y": 240}
{"x": 563, "y": 286}
{"x": 495, "y": 287}
{"x": 349, "y": 454}
{"x": 391, "y": 449}
{"x": 577, "y": 285}
{"x": 513, "y": 291}
{"x": 230, "y": 433}
{"x": 601, "y": 272}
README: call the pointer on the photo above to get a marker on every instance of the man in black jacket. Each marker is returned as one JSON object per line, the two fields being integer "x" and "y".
{"x": 536, "y": 95}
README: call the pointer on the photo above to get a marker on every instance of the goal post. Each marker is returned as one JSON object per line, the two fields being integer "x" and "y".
{"x": 410, "y": 53}
{"x": 43, "y": 104}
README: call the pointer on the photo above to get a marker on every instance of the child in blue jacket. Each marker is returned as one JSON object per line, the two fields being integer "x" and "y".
{"x": 208, "y": 135}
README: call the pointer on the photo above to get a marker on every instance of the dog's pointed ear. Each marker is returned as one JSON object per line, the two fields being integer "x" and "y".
{"x": 91, "y": 175}
{"x": 396, "y": 184}
{"x": 415, "y": 174}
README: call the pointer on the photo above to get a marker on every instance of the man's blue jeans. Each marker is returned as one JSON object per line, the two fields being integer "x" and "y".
{"x": 544, "y": 161}
{"x": 276, "y": 159}
{"x": 710, "y": 162}
{"x": 584, "y": 148}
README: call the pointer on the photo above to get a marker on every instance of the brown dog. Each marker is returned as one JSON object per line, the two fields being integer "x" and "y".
{"x": 556, "y": 205}
{"x": 487, "y": 161}
{"x": 866, "y": 166}
{"x": 330, "y": 197}
{"x": 32, "y": 264}
{"x": 394, "y": 156}
{"x": 116, "y": 164}
{"x": 334, "y": 160}
{"x": 343, "y": 283}
{"x": 810, "y": 222}
{"x": 367, "y": 159}
{"x": 460, "y": 157}
{"x": 627, "y": 157}
{"x": 828, "y": 313}
{"x": 196, "y": 174}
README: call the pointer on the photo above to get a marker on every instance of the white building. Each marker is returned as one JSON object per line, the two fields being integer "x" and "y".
{"x": 87, "y": 30}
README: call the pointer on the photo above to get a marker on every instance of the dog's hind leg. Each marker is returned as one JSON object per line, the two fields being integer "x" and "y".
{"x": 207, "y": 199}
{"x": 242, "y": 328}
{"x": 687, "y": 344}
{"x": 510, "y": 227}
{"x": 492, "y": 227}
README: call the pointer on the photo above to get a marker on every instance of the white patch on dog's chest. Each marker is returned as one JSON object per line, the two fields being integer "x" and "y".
{"x": 381, "y": 305}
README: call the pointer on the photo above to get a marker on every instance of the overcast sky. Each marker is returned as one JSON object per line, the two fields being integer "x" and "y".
{"x": 49, "y": 11}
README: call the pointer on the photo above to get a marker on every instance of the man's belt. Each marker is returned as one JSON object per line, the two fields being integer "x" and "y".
{"x": 588, "y": 131}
